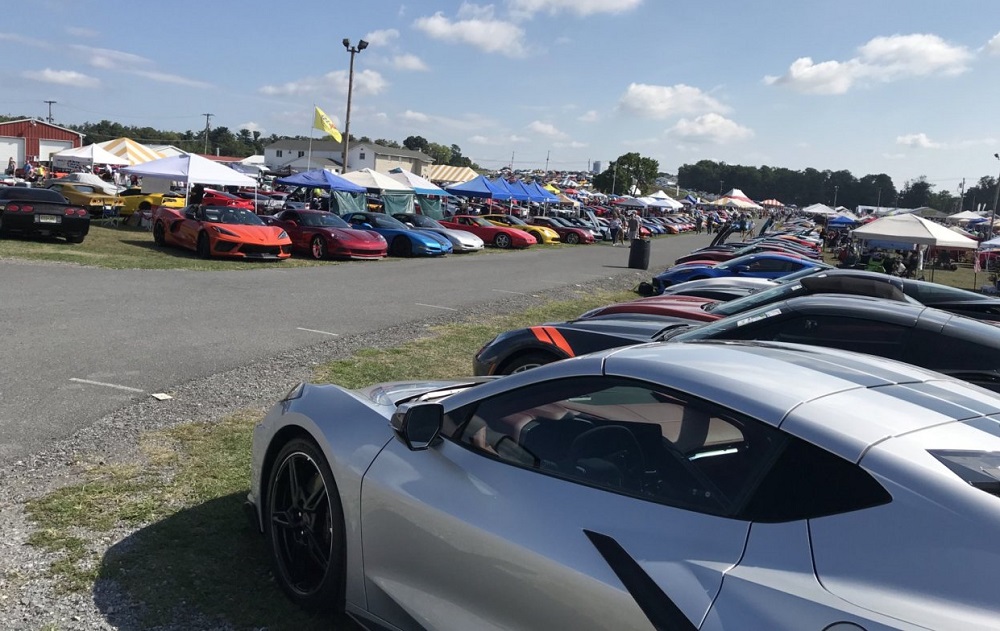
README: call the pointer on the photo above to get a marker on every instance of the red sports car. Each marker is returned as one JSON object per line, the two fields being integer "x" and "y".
{"x": 500, "y": 236}
{"x": 222, "y": 231}
{"x": 213, "y": 197}
{"x": 323, "y": 234}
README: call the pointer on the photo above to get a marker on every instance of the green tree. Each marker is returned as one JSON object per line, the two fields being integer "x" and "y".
{"x": 629, "y": 173}
{"x": 392, "y": 144}
{"x": 416, "y": 143}
{"x": 440, "y": 153}
{"x": 916, "y": 193}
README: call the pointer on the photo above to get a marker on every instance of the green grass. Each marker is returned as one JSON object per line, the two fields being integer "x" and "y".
{"x": 963, "y": 278}
{"x": 195, "y": 556}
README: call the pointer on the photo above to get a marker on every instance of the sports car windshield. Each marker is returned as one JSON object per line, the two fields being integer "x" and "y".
{"x": 232, "y": 216}
{"x": 774, "y": 294}
{"x": 514, "y": 221}
{"x": 423, "y": 221}
{"x": 479, "y": 221}
{"x": 323, "y": 220}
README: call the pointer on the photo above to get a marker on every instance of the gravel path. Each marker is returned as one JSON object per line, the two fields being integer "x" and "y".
{"x": 31, "y": 600}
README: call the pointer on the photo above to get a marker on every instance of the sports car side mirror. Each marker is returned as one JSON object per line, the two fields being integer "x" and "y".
{"x": 741, "y": 269}
{"x": 418, "y": 424}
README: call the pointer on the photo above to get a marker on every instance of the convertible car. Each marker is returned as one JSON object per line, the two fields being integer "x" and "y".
{"x": 402, "y": 240}
{"x": 222, "y": 231}
{"x": 541, "y": 233}
{"x": 641, "y": 488}
{"x": 325, "y": 235}
{"x": 95, "y": 200}
{"x": 491, "y": 234}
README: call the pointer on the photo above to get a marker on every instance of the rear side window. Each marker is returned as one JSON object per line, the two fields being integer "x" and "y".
{"x": 968, "y": 346}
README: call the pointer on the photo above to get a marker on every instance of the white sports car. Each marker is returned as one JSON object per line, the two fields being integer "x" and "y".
{"x": 711, "y": 486}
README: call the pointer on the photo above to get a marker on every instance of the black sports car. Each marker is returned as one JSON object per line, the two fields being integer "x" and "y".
{"x": 41, "y": 212}
{"x": 919, "y": 335}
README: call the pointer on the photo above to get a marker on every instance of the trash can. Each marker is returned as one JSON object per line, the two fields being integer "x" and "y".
{"x": 638, "y": 255}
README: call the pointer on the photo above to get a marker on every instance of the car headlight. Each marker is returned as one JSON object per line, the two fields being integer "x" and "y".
{"x": 228, "y": 233}
{"x": 283, "y": 235}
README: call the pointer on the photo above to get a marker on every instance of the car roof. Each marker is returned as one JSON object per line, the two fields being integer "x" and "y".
{"x": 840, "y": 400}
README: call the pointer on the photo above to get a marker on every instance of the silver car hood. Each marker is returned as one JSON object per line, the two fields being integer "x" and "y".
{"x": 396, "y": 392}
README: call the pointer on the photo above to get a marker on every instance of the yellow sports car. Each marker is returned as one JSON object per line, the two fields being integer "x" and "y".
{"x": 135, "y": 200}
{"x": 95, "y": 200}
{"x": 541, "y": 233}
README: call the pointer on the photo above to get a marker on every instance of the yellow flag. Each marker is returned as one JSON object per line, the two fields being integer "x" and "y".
{"x": 323, "y": 122}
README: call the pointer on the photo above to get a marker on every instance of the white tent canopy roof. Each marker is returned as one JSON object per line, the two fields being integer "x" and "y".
{"x": 910, "y": 228}
{"x": 373, "y": 179}
{"x": 129, "y": 149}
{"x": 90, "y": 154}
{"x": 819, "y": 209}
{"x": 965, "y": 215}
{"x": 191, "y": 169}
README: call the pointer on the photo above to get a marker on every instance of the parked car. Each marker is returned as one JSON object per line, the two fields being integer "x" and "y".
{"x": 213, "y": 197}
{"x": 542, "y": 234}
{"x": 499, "y": 236}
{"x": 760, "y": 265}
{"x": 461, "y": 240}
{"x": 134, "y": 199}
{"x": 800, "y": 488}
{"x": 325, "y": 235}
{"x": 568, "y": 233}
{"x": 402, "y": 240}
{"x": 96, "y": 201}
{"x": 220, "y": 231}
{"x": 923, "y": 336}
{"x": 41, "y": 212}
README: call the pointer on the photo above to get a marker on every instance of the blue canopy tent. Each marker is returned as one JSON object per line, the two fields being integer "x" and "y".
{"x": 547, "y": 196}
{"x": 480, "y": 187}
{"x": 345, "y": 196}
{"x": 533, "y": 194}
{"x": 841, "y": 221}
{"x": 507, "y": 187}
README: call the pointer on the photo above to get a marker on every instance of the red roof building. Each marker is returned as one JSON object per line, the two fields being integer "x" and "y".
{"x": 35, "y": 139}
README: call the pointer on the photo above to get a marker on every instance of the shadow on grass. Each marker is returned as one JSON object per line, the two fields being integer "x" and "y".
{"x": 202, "y": 567}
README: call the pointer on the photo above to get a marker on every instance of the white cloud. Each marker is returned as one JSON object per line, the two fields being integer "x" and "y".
{"x": 21, "y": 39}
{"x": 993, "y": 46}
{"x": 164, "y": 77}
{"x": 408, "y": 62}
{"x": 366, "y": 82}
{"x": 497, "y": 141}
{"x": 881, "y": 59}
{"x": 917, "y": 140}
{"x": 589, "y": 116}
{"x": 416, "y": 117}
{"x": 112, "y": 59}
{"x": 381, "y": 37}
{"x": 710, "y": 128}
{"x": 546, "y": 129}
{"x": 573, "y": 144}
{"x": 477, "y": 27}
{"x": 77, "y": 31}
{"x": 251, "y": 126}
{"x": 63, "y": 77}
{"x": 582, "y": 8}
{"x": 661, "y": 101}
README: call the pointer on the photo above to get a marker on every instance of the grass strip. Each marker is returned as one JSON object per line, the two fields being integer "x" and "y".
{"x": 195, "y": 559}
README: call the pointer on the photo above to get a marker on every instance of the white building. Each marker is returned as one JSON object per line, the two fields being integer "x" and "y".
{"x": 297, "y": 156}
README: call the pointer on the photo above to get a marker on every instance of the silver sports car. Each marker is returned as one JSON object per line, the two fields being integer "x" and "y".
{"x": 712, "y": 486}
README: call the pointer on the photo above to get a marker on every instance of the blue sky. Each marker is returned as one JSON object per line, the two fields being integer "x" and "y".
{"x": 904, "y": 87}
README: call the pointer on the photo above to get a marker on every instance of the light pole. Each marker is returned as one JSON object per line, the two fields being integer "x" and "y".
{"x": 721, "y": 182}
{"x": 878, "y": 202}
{"x": 614, "y": 180}
{"x": 836, "y": 189}
{"x": 996, "y": 197}
{"x": 354, "y": 50}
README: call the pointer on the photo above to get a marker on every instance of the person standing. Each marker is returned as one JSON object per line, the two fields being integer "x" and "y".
{"x": 633, "y": 227}
{"x": 11, "y": 166}
{"x": 615, "y": 226}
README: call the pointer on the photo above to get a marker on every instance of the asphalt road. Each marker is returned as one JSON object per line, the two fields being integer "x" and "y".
{"x": 79, "y": 342}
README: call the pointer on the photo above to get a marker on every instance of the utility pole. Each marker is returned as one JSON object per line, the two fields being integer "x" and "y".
{"x": 512, "y": 161}
{"x": 50, "y": 104}
{"x": 961, "y": 196}
{"x": 208, "y": 117}
{"x": 547, "y": 161}
{"x": 996, "y": 198}
{"x": 346, "y": 136}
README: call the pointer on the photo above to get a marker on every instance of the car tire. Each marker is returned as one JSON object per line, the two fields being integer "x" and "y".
{"x": 159, "y": 234}
{"x": 145, "y": 206}
{"x": 401, "y": 246}
{"x": 572, "y": 238}
{"x": 526, "y": 361}
{"x": 204, "y": 247}
{"x": 75, "y": 239}
{"x": 318, "y": 248}
{"x": 304, "y": 524}
{"x": 502, "y": 241}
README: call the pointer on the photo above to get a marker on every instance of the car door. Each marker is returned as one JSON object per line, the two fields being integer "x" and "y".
{"x": 862, "y": 335}
{"x": 557, "y": 506}
{"x": 298, "y": 233}
{"x": 186, "y": 230}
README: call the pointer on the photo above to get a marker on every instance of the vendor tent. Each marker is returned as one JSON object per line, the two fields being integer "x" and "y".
{"x": 841, "y": 221}
{"x": 345, "y": 196}
{"x": 630, "y": 202}
{"x": 129, "y": 149}
{"x": 736, "y": 198}
{"x": 191, "y": 169}
{"x": 89, "y": 155}
{"x": 397, "y": 197}
{"x": 447, "y": 174}
{"x": 771, "y": 203}
{"x": 480, "y": 187}
{"x": 819, "y": 209}
{"x": 518, "y": 195}
{"x": 911, "y": 229}
{"x": 428, "y": 194}
{"x": 964, "y": 217}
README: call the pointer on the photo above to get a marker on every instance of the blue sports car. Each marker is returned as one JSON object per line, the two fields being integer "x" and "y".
{"x": 403, "y": 240}
{"x": 759, "y": 265}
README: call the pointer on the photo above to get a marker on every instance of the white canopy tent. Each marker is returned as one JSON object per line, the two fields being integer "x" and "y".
{"x": 914, "y": 230}
{"x": 374, "y": 180}
{"x": 963, "y": 217}
{"x": 819, "y": 209}
{"x": 88, "y": 155}
{"x": 191, "y": 169}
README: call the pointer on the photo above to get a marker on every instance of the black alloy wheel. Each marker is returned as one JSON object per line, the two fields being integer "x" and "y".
{"x": 526, "y": 361}
{"x": 572, "y": 238}
{"x": 318, "y": 248}
{"x": 204, "y": 247}
{"x": 159, "y": 234}
{"x": 304, "y": 522}
{"x": 502, "y": 240}
{"x": 401, "y": 246}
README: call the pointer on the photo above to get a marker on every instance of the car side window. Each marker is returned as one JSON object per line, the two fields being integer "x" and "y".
{"x": 625, "y": 437}
{"x": 850, "y": 334}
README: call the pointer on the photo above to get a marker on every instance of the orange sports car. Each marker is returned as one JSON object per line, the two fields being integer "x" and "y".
{"x": 222, "y": 231}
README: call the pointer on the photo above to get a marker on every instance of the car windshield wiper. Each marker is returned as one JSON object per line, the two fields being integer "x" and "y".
{"x": 671, "y": 331}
